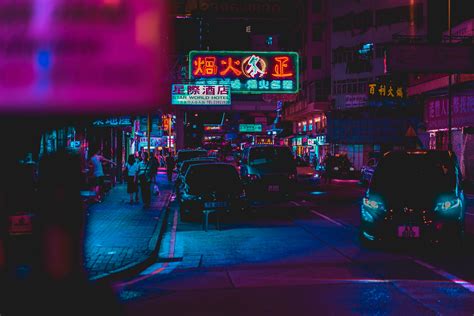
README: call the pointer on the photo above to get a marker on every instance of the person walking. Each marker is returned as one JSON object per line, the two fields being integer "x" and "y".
{"x": 170, "y": 163}
{"x": 96, "y": 161}
{"x": 329, "y": 165}
{"x": 144, "y": 179}
{"x": 131, "y": 168}
{"x": 154, "y": 165}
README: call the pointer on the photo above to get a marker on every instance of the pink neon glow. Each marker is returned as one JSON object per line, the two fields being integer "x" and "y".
{"x": 106, "y": 60}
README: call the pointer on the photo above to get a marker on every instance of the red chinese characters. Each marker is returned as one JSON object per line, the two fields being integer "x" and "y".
{"x": 206, "y": 66}
{"x": 229, "y": 62}
{"x": 280, "y": 68}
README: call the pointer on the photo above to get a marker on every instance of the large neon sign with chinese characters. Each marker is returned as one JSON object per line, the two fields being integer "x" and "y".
{"x": 246, "y": 72}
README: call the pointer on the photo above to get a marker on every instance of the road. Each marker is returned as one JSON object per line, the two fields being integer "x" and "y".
{"x": 300, "y": 257}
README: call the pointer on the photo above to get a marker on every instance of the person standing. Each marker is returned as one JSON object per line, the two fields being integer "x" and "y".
{"x": 154, "y": 165}
{"x": 170, "y": 163}
{"x": 144, "y": 179}
{"x": 96, "y": 161}
{"x": 132, "y": 182}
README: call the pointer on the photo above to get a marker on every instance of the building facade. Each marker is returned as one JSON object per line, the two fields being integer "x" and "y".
{"x": 371, "y": 111}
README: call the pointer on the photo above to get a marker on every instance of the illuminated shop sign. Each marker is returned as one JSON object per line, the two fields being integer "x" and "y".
{"x": 263, "y": 141}
{"x": 317, "y": 141}
{"x": 112, "y": 122}
{"x": 250, "y": 128}
{"x": 212, "y": 128}
{"x": 246, "y": 72}
{"x": 192, "y": 94}
{"x": 386, "y": 90}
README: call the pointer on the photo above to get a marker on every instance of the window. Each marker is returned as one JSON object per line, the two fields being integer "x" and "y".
{"x": 316, "y": 62}
{"x": 317, "y": 32}
{"x": 316, "y": 6}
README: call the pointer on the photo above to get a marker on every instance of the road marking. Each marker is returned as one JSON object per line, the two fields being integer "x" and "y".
{"x": 447, "y": 275}
{"x": 296, "y": 204}
{"x": 159, "y": 267}
{"x": 472, "y": 214}
{"x": 327, "y": 218}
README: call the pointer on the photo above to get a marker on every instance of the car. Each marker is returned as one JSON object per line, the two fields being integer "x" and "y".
{"x": 186, "y": 154}
{"x": 268, "y": 171}
{"x": 338, "y": 167}
{"x": 367, "y": 171}
{"x": 184, "y": 168}
{"x": 414, "y": 195}
{"x": 305, "y": 173}
{"x": 211, "y": 186}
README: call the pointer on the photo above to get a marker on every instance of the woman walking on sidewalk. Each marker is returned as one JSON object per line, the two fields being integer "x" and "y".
{"x": 144, "y": 178}
{"x": 132, "y": 182}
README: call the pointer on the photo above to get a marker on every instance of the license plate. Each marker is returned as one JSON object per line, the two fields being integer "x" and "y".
{"x": 215, "y": 204}
{"x": 408, "y": 231}
{"x": 273, "y": 188}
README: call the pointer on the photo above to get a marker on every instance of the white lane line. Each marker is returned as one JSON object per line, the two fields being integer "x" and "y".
{"x": 327, "y": 218}
{"x": 447, "y": 275}
{"x": 296, "y": 204}
{"x": 472, "y": 214}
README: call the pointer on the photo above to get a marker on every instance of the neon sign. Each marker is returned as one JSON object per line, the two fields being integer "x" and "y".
{"x": 246, "y": 72}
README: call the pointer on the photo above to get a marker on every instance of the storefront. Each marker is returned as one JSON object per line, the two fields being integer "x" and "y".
{"x": 436, "y": 118}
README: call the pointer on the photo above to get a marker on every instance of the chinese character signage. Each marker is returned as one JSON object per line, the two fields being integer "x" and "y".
{"x": 250, "y": 128}
{"x": 113, "y": 122}
{"x": 386, "y": 90}
{"x": 246, "y": 72}
{"x": 436, "y": 111}
{"x": 263, "y": 140}
{"x": 194, "y": 94}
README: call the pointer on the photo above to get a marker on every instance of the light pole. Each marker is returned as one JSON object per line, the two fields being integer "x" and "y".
{"x": 450, "y": 142}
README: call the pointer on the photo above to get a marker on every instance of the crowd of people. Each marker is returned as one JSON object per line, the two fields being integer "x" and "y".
{"x": 140, "y": 171}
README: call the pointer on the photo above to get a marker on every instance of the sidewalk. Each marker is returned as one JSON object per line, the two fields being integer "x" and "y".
{"x": 119, "y": 236}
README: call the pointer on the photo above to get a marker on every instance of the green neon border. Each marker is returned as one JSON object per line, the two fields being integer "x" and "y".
{"x": 239, "y": 52}
{"x": 261, "y": 129}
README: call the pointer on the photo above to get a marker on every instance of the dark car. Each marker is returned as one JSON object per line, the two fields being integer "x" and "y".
{"x": 367, "y": 171}
{"x": 187, "y": 154}
{"x": 339, "y": 167}
{"x": 211, "y": 186}
{"x": 184, "y": 168}
{"x": 268, "y": 171}
{"x": 414, "y": 195}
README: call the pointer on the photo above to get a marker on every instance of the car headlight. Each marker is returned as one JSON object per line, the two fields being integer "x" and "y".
{"x": 448, "y": 204}
{"x": 336, "y": 168}
{"x": 373, "y": 205}
{"x": 351, "y": 169}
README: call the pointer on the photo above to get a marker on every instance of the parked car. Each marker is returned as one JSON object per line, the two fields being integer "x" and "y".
{"x": 305, "y": 173}
{"x": 185, "y": 167}
{"x": 414, "y": 195}
{"x": 367, "y": 171}
{"x": 186, "y": 154}
{"x": 211, "y": 186}
{"x": 339, "y": 167}
{"x": 268, "y": 171}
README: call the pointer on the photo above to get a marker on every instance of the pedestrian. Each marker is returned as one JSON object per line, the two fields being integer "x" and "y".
{"x": 170, "y": 163}
{"x": 154, "y": 165}
{"x": 132, "y": 181}
{"x": 144, "y": 179}
{"x": 98, "y": 171}
{"x": 329, "y": 165}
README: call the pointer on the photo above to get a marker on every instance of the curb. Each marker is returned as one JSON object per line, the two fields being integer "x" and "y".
{"x": 140, "y": 265}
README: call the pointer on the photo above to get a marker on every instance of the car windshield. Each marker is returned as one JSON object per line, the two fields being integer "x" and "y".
{"x": 403, "y": 175}
{"x": 188, "y": 163}
{"x": 186, "y": 155}
{"x": 266, "y": 155}
{"x": 204, "y": 177}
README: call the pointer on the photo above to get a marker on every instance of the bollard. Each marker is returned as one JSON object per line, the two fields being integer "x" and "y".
{"x": 206, "y": 219}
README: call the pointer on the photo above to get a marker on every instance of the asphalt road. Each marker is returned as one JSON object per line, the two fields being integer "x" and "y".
{"x": 300, "y": 257}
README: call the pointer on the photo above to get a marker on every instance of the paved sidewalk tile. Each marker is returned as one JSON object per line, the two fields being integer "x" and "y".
{"x": 118, "y": 234}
